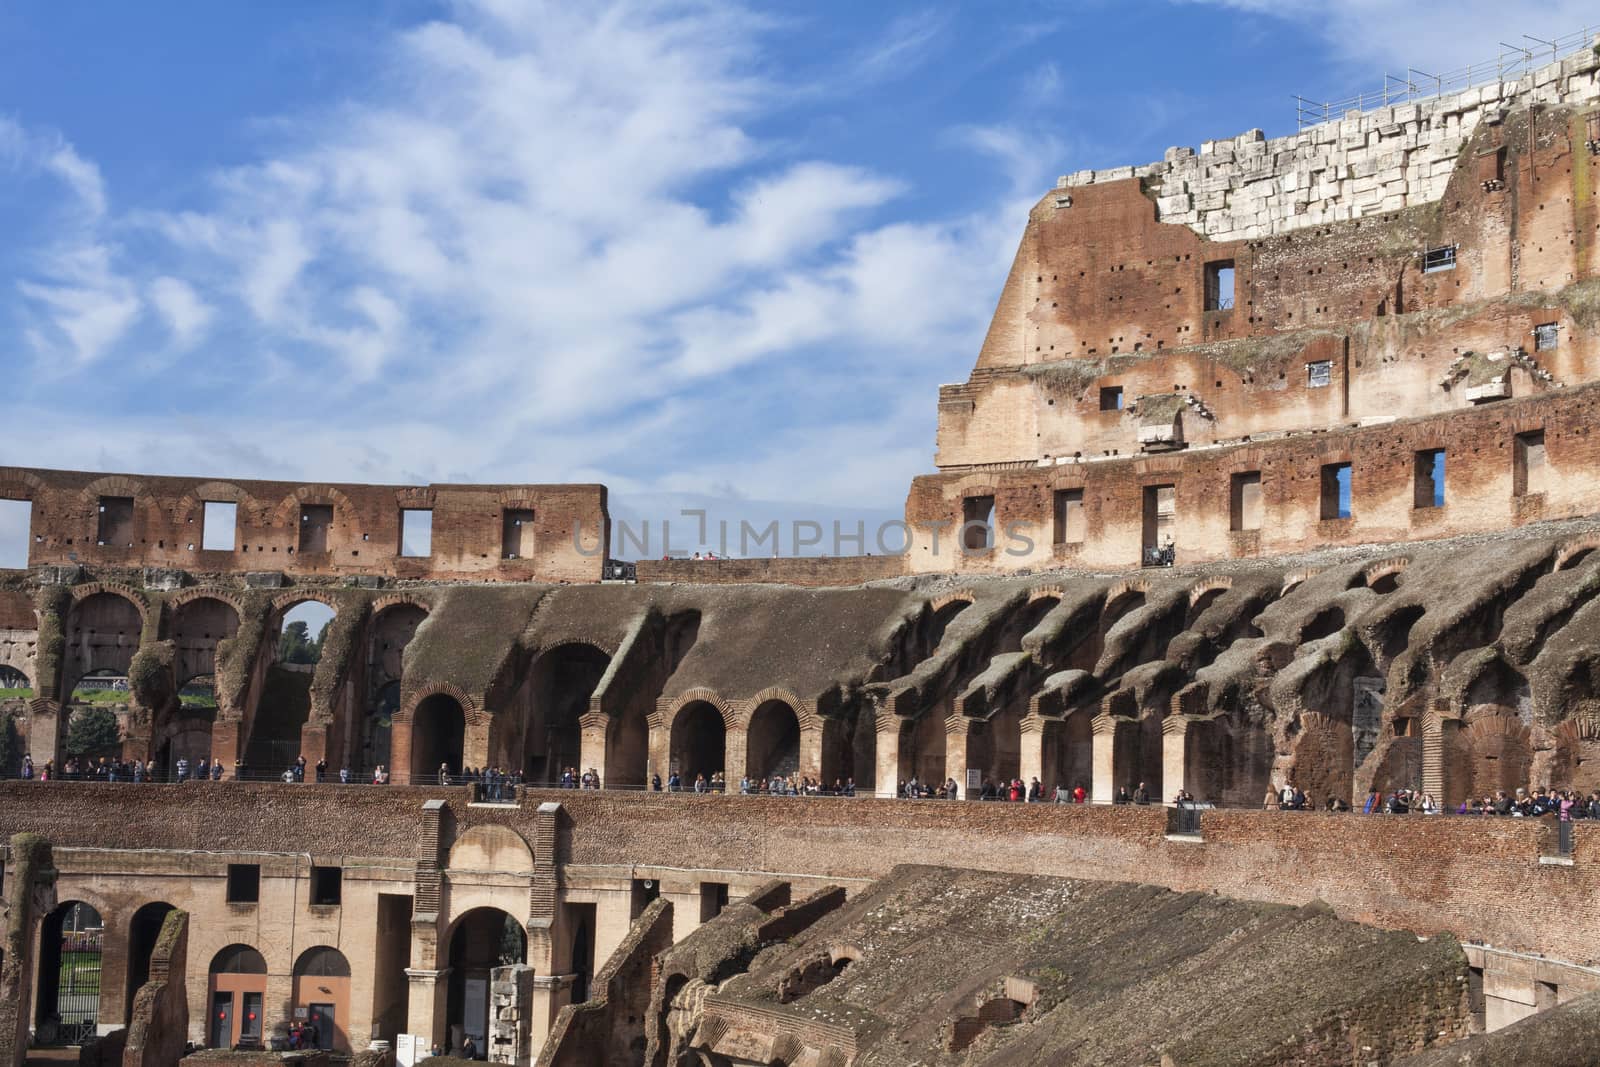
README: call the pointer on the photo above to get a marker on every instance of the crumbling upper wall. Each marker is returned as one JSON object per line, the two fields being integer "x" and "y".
{"x": 479, "y": 532}
{"x": 1247, "y": 187}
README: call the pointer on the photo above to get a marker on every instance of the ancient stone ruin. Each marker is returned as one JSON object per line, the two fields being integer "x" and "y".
{"x": 1274, "y": 471}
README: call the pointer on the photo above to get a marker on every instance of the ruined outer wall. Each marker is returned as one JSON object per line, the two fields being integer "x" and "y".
{"x": 1383, "y": 160}
{"x": 1478, "y": 878}
{"x": 1480, "y": 479}
{"x": 167, "y": 526}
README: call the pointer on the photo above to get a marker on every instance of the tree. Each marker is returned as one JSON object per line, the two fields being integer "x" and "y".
{"x": 93, "y": 731}
{"x": 296, "y": 645}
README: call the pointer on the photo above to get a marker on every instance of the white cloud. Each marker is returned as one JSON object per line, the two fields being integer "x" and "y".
{"x": 1374, "y": 36}
{"x": 549, "y": 236}
{"x": 187, "y": 316}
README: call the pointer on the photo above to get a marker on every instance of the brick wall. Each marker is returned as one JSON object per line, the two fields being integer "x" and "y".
{"x": 797, "y": 570}
{"x": 1479, "y": 445}
{"x": 1478, "y": 878}
{"x": 166, "y": 526}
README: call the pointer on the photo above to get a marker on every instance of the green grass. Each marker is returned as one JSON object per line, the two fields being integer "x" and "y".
{"x": 101, "y": 696}
{"x": 12, "y": 694}
{"x": 80, "y": 972}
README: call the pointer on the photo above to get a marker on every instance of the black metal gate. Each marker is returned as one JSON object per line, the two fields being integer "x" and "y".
{"x": 78, "y": 988}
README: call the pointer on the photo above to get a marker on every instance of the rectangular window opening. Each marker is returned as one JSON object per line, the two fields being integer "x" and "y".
{"x": 1437, "y": 259}
{"x": 516, "y": 533}
{"x": 218, "y": 531}
{"x": 116, "y": 521}
{"x": 16, "y": 520}
{"x": 1111, "y": 398}
{"x": 1546, "y": 336}
{"x": 1160, "y": 514}
{"x": 713, "y": 898}
{"x": 977, "y": 523}
{"x": 416, "y": 532}
{"x": 1244, "y": 501}
{"x": 1069, "y": 522}
{"x": 1428, "y": 479}
{"x": 1319, "y": 374}
{"x": 1529, "y": 470}
{"x": 244, "y": 883}
{"x": 315, "y": 522}
{"x": 1219, "y": 285}
{"x": 327, "y": 885}
{"x": 1336, "y": 491}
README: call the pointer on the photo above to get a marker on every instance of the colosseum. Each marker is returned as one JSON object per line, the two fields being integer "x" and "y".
{"x": 1269, "y": 489}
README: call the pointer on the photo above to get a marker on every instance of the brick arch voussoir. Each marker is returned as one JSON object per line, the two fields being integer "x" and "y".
{"x": 287, "y": 513}
{"x": 966, "y": 596}
{"x": 290, "y": 597}
{"x": 136, "y": 597}
{"x": 19, "y": 484}
{"x": 471, "y": 713}
{"x": 730, "y": 717}
{"x": 399, "y": 600}
{"x": 803, "y": 711}
{"x": 1571, "y": 548}
{"x": 111, "y": 485}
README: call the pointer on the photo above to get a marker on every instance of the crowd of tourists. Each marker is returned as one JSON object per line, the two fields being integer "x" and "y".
{"x": 1565, "y": 804}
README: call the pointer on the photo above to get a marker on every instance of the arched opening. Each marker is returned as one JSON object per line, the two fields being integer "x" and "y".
{"x": 389, "y": 633}
{"x": 143, "y": 930}
{"x": 198, "y": 626}
{"x": 1199, "y": 604}
{"x": 438, "y": 737}
{"x": 93, "y": 731}
{"x": 1024, "y": 620}
{"x": 699, "y": 742}
{"x": 1574, "y": 558}
{"x": 102, "y": 635}
{"x": 559, "y": 687}
{"x": 71, "y": 939}
{"x": 14, "y": 684}
{"x": 483, "y": 939}
{"x": 773, "y": 747}
{"x": 1385, "y": 583}
{"x": 1328, "y": 621}
{"x": 284, "y": 704}
{"x": 322, "y": 993}
{"x": 996, "y": 1011}
{"x": 582, "y": 952}
{"x": 237, "y": 993}
{"x": 939, "y": 621}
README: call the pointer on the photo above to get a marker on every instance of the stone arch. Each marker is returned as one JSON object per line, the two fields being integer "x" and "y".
{"x": 698, "y": 736}
{"x": 438, "y": 734}
{"x": 1576, "y": 762}
{"x": 1572, "y": 552}
{"x": 111, "y": 485}
{"x": 1297, "y": 577}
{"x": 809, "y": 720}
{"x": 1499, "y": 753}
{"x": 196, "y": 624}
{"x": 390, "y": 628}
{"x": 104, "y": 628}
{"x": 1122, "y": 599}
{"x": 543, "y": 733}
{"x": 477, "y": 941}
{"x": 190, "y": 507}
{"x": 69, "y": 1007}
{"x": 491, "y": 847}
{"x": 730, "y": 716}
{"x": 287, "y": 512}
{"x": 1382, "y": 577}
{"x": 19, "y": 484}
{"x": 772, "y": 741}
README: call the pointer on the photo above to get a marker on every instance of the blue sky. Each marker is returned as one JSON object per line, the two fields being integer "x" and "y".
{"x": 689, "y": 250}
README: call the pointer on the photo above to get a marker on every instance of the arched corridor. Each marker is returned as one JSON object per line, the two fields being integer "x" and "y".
{"x": 699, "y": 742}
{"x": 559, "y": 687}
{"x": 773, "y": 746}
{"x": 438, "y": 735}
{"x": 67, "y": 1010}
{"x": 481, "y": 939}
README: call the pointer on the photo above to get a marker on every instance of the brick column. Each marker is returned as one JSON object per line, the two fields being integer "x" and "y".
{"x": 1031, "y": 766}
{"x": 1104, "y": 787}
{"x": 887, "y": 750}
{"x": 1175, "y": 759}
{"x": 957, "y": 730}
{"x": 660, "y": 752}
{"x": 1438, "y": 737}
{"x": 734, "y": 746}
{"x": 811, "y": 750}
{"x": 594, "y": 729}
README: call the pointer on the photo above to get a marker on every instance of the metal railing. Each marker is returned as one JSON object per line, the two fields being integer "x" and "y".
{"x": 1514, "y": 61}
